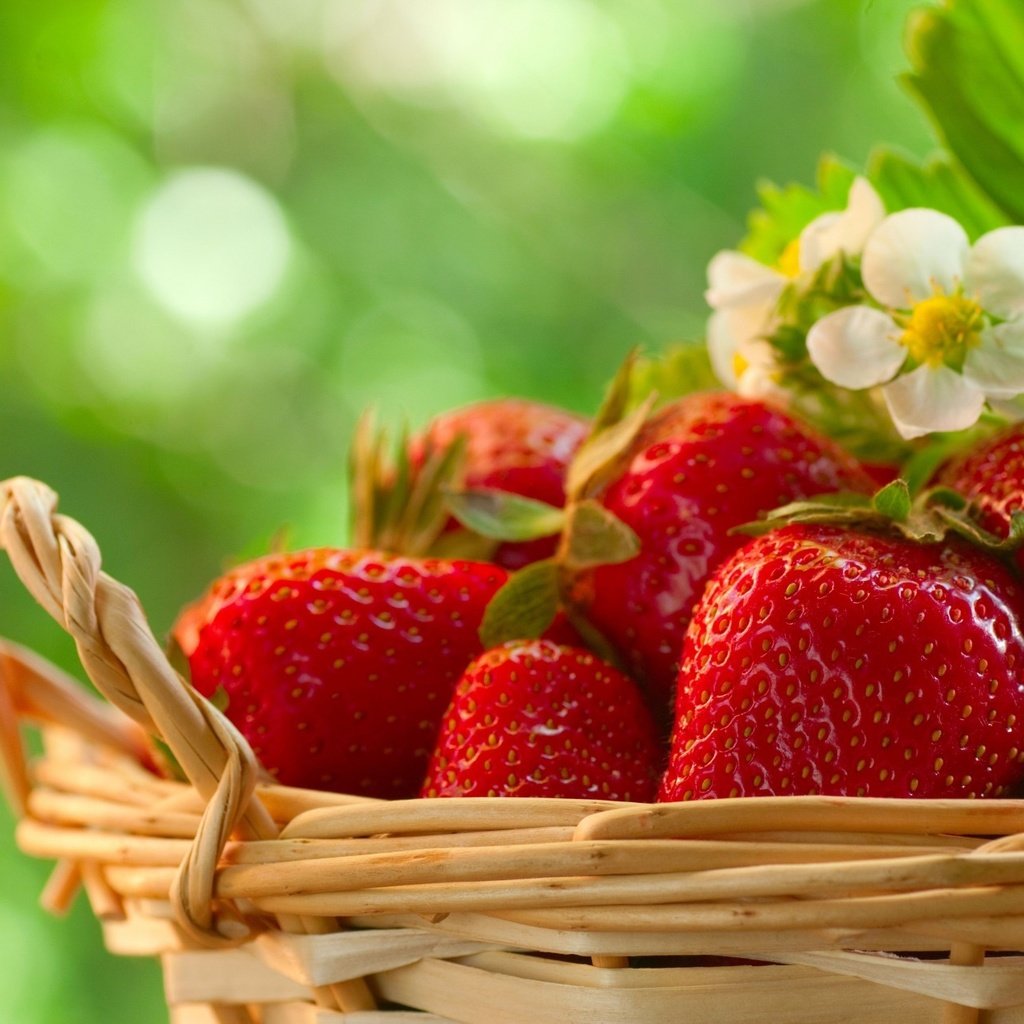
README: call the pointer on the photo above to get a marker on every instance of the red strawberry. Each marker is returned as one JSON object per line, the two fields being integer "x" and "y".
{"x": 823, "y": 660}
{"x": 513, "y": 445}
{"x": 991, "y": 476}
{"x": 338, "y": 665}
{"x": 699, "y": 467}
{"x": 533, "y": 718}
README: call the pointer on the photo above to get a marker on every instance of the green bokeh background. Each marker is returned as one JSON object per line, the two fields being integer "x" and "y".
{"x": 227, "y": 225}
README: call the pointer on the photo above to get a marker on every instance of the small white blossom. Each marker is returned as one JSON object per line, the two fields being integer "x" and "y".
{"x": 950, "y": 333}
{"x": 744, "y": 293}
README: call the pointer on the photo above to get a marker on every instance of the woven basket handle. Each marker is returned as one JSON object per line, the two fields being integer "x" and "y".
{"x": 59, "y": 563}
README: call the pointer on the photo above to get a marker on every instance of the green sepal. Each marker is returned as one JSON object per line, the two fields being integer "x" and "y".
{"x": 927, "y": 519}
{"x": 893, "y": 501}
{"x": 503, "y": 516}
{"x": 524, "y": 607}
{"x": 397, "y": 507}
{"x": 617, "y": 395}
{"x": 463, "y": 544}
{"x": 594, "y": 536}
{"x": 600, "y": 456}
{"x": 843, "y": 508}
{"x": 785, "y": 211}
{"x": 678, "y": 371}
{"x": 954, "y": 510}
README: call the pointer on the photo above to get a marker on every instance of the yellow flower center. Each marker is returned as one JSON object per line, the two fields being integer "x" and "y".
{"x": 942, "y": 328}
{"x": 740, "y": 364}
{"x": 789, "y": 261}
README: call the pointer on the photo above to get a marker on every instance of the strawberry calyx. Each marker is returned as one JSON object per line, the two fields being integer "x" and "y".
{"x": 589, "y": 535}
{"x": 928, "y": 518}
{"x": 400, "y": 508}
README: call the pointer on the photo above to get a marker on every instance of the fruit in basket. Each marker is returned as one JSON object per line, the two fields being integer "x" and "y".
{"x": 513, "y": 445}
{"x": 991, "y": 476}
{"x": 337, "y": 665}
{"x": 535, "y": 718}
{"x": 828, "y": 660}
{"x": 698, "y": 467}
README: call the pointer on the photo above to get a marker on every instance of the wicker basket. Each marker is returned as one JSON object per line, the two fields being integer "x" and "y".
{"x": 285, "y": 906}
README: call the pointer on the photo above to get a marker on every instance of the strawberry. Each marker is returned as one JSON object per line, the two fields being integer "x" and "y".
{"x": 991, "y": 475}
{"x": 512, "y": 445}
{"x": 828, "y": 660}
{"x": 338, "y": 665}
{"x": 699, "y": 467}
{"x": 534, "y": 718}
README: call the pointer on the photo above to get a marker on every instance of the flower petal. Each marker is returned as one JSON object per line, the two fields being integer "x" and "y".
{"x": 731, "y": 334}
{"x": 722, "y": 346}
{"x": 995, "y": 271}
{"x": 856, "y": 347}
{"x": 737, "y": 280}
{"x": 932, "y": 398}
{"x": 911, "y": 254}
{"x": 997, "y": 364}
{"x": 761, "y": 381}
{"x": 845, "y": 231}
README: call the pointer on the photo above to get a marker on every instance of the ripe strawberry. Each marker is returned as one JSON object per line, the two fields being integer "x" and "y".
{"x": 823, "y": 660}
{"x": 699, "y": 467}
{"x": 534, "y": 718}
{"x": 991, "y": 476}
{"x": 338, "y": 665}
{"x": 513, "y": 445}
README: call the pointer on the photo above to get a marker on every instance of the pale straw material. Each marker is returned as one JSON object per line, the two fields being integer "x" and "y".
{"x": 283, "y": 906}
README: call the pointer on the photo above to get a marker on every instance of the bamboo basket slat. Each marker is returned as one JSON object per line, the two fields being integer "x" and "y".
{"x": 272, "y": 905}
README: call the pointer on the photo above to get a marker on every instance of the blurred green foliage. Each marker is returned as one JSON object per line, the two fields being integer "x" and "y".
{"x": 227, "y": 225}
{"x": 968, "y": 70}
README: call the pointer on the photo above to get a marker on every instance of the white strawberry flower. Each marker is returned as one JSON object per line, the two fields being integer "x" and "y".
{"x": 950, "y": 333}
{"x": 745, "y": 293}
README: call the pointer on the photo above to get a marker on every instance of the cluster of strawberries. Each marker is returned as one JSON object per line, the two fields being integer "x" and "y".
{"x": 619, "y": 635}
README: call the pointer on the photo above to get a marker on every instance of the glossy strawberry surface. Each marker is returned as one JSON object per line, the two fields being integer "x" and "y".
{"x": 517, "y": 446}
{"x": 701, "y": 466}
{"x": 991, "y": 475}
{"x": 534, "y": 718}
{"x": 825, "y": 661}
{"x": 337, "y": 665}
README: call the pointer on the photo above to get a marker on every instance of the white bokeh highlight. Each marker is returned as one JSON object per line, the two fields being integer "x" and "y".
{"x": 211, "y": 246}
{"x": 543, "y": 69}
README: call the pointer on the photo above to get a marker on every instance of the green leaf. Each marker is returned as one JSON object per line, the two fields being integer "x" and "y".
{"x": 524, "y": 607}
{"x": 504, "y": 516}
{"x": 893, "y": 501}
{"x": 786, "y": 211}
{"x": 968, "y": 71}
{"x": 596, "y": 536}
{"x": 939, "y": 183}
